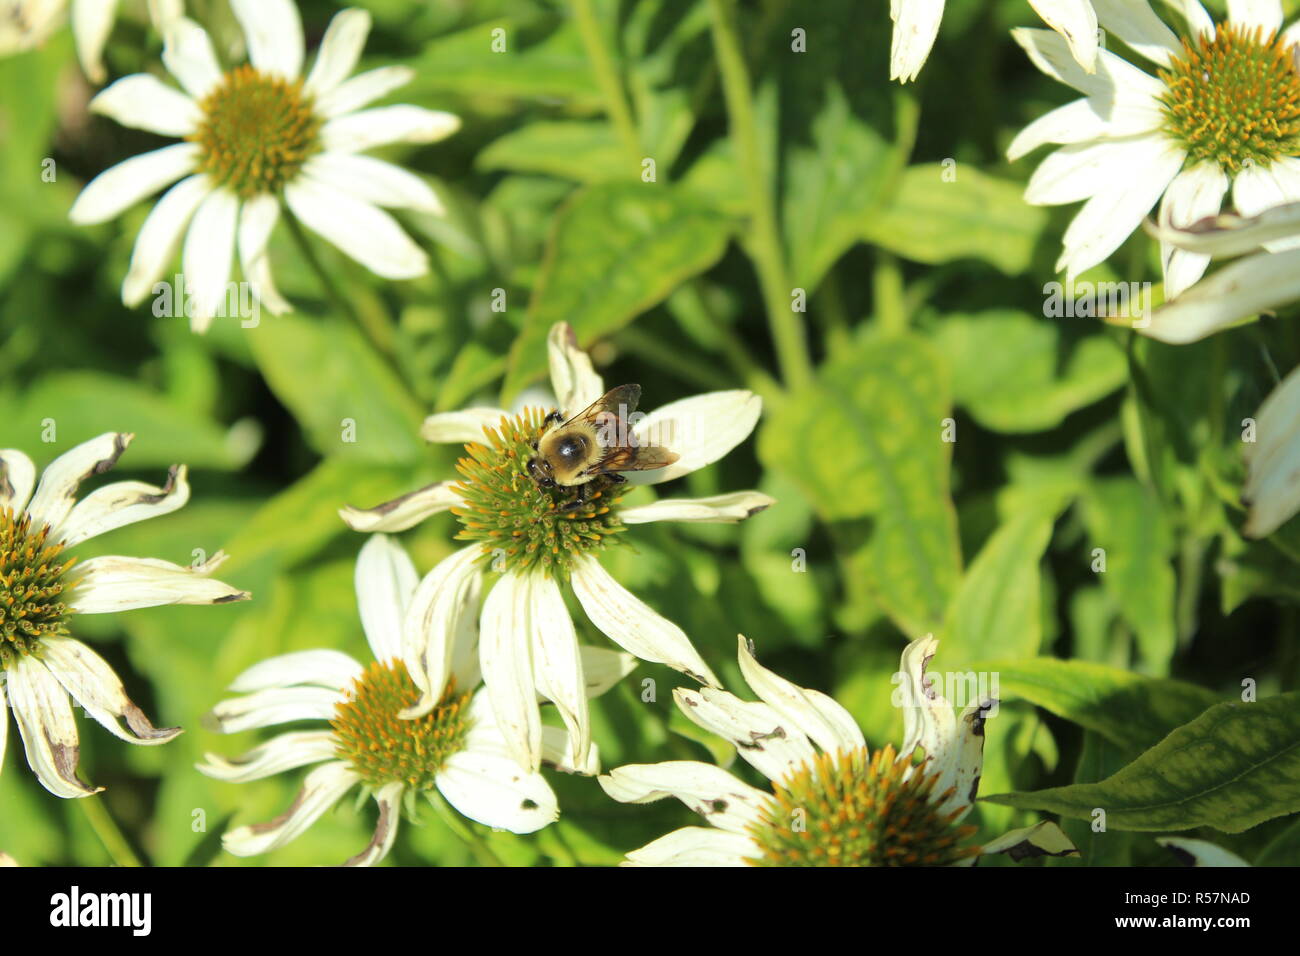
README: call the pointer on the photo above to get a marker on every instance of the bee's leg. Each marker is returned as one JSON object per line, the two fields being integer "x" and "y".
{"x": 615, "y": 478}
{"x": 552, "y": 418}
{"x": 578, "y": 501}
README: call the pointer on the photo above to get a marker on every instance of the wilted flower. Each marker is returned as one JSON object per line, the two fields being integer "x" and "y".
{"x": 259, "y": 137}
{"x": 25, "y": 24}
{"x": 40, "y": 590}
{"x": 831, "y": 802}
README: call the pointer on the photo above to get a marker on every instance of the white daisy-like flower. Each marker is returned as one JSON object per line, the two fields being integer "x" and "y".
{"x": 259, "y": 137}
{"x": 40, "y": 590}
{"x": 916, "y": 24}
{"x": 453, "y": 747}
{"x": 522, "y": 530}
{"x": 831, "y": 803}
{"x": 25, "y": 24}
{"x": 1222, "y": 111}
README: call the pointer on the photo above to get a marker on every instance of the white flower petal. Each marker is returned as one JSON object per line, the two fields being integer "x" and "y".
{"x": 356, "y": 132}
{"x": 160, "y": 237}
{"x": 120, "y": 187}
{"x": 273, "y": 31}
{"x": 330, "y": 669}
{"x": 434, "y": 624}
{"x": 1076, "y": 22}
{"x": 1266, "y": 15}
{"x": 628, "y": 622}
{"x": 404, "y": 512}
{"x": 496, "y": 791}
{"x": 144, "y": 102}
{"x": 93, "y": 684}
{"x": 774, "y": 746}
{"x": 604, "y": 668}
{"x": 696, "y": 846}
{"x": 1199, "y": 22}
{"x": 574, "y": 381}
{"x": 818, "y": 716}
{"x": 1116, "y": 83}
{"x": 123, "y": 503}
{"x": 1230, "y": 235}
{"x": 209, "y": 256}
{"x": 188, "y": 56}
{"x": 385, "y": 580}
{"x": 362, "y": 90}
{"x": 1194, "y": 194}
{"x": 1200, "y": 852}
{"x": 363, "y": 231}
{"x": 718, "y": 509}
{"x": 257, "y": 219}
{"x": 323, "y": 788}
{"x": 463, "y": 426}
{"x": 967, "y": 762}
{"x": 726, "y": 802}
{"x": 92, "y": 22}
{"x": 558, "y": 751}
{"x": 916, "y": 24}
{"x": 389, "y": 800}
{"x": 1256, "y": 189}
{"x": 928, "y": 718}
{"x": 700, "y": 429}
{"x": 1083, "y": 170}
{"x": 1076, "y": 122}
{"x": 1272, "y": 487}
{"x": 374, "y": 181}
{"x": 277, "y": 705}
{"x": 505, "y": 656}
{"x": 1134, "y": 22}
{"x": 113, "y": 583}
{"x": 45, "y": 722}
{"x": 557, "y": 663}
{"x": 57, "y": 490}
{"x": 17, "y": 478}
{"x": 345, "y": 38}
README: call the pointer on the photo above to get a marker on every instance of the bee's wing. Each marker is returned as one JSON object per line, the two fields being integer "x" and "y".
{"x": 635, "y": 458}
{"x": 619, "y": 401}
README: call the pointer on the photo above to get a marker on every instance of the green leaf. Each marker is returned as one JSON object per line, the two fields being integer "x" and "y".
{"x": 1015, "y": 373}
{"x": 1130, "y": 711}
{"x": 863, "y": 443}
{"x": 1234, "y": 767}
{"x": 327, "y": 374}
{"x": 1100, "y": 758}
{"x": 943, "y": 213}
{"x": 584, "y": 152}
{"x": 617, "y": 250}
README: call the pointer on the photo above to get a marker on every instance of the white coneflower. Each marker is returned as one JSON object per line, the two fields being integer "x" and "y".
{"x": 1222, "y": 112}
{"x": 25, "y": 24}
{"x": 259, "y": 137}
{"x": 453, "y": 748}
{"x": 520, "y": 529}
{"x": 40, "y": 590}
{"x": 831, "y": 803}
{"x": 916, "y": 24}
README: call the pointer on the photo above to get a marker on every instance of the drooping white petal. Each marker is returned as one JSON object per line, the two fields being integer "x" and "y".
{"x": 123, "y": 503}
{"x": 362, "y": 90}
{"x": 463, "y": 426}
{"x": 718, "y": 509}
{"x": 361, "y": 230}
{"x": 506, "y": 659}
{"x": 385, "y": 581}
{"x": 1194, "y": 194}
{"x": 700, "y": 430}
{"x": 209, "y": 255}
{"x": 916, "y": 24}
{"x": 627, "y": 621}
{"x": 374, "y": 181}
{"x": 574, "y": 381}
{"x": 257, "y": 219}
{"x": 496, "y": 791}
{"x": 330, "y": 669}
{"x": 277, "y": 705}
{"x": 92, "y": 22}
{"x": 341, "y": 47}
{"x": 557, "y": 663}
{"x": 404, "y": 512}
{"x": 120, "y": 187}
{"x": 113, "y": 583}
{"x": 1272, "y": 488}
{"x": 1256, "y": 189}
{"x": 696, "y": 846}
{"x": 1229, "y": 235}
{"x": 434, "y": 623}
{"x": 357, "y": 132}
{"x": 1076, "y": 22}
{"x": 17, "y": 478}
{"x": 726, "y": 802}
{"x": 1200, "y": 852}
{"x": 1265, "y": 15}
{"x": 1116, "y": 83}
{"x": 389, "y": 800}
{"x": 558, "y": 751}
{"x": 45, "y": 722}
{"x": 1027, "y": 843}
{"x": 273, "y": 31}
{"x": 818, "y": 716}
{"x": 142, "y": 101}
{"x": 188, "y": 56}
{"x": 962, "y": 773}
{"x": 57, "y": 491}
{"x": 1134, "y": 22}
{"x": 774, "y": 746}
{"x": 93, "y": 684}
{"x": 604, "y": 668}
{"x": 928, "y": 718}
{"x": 320, "y": 791}
{"x": 160, "y": 237}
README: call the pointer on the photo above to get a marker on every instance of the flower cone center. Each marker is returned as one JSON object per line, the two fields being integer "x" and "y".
{"x": 847, "y": 809}
{"x": 385, "y": 748}
{"x": 1234, "y": 99}
{"x": 523, "y": 526}
{"x": 31, "y": 583}
{"x": 257, "y": 131}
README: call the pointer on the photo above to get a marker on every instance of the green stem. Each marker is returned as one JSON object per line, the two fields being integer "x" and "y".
{"x": 607, "y": 78}
{"x": 890, "y": 296}
{"x": 788, "y": 333}
{"x": 101, "y": 821}
{"x": 477, "y": 845}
